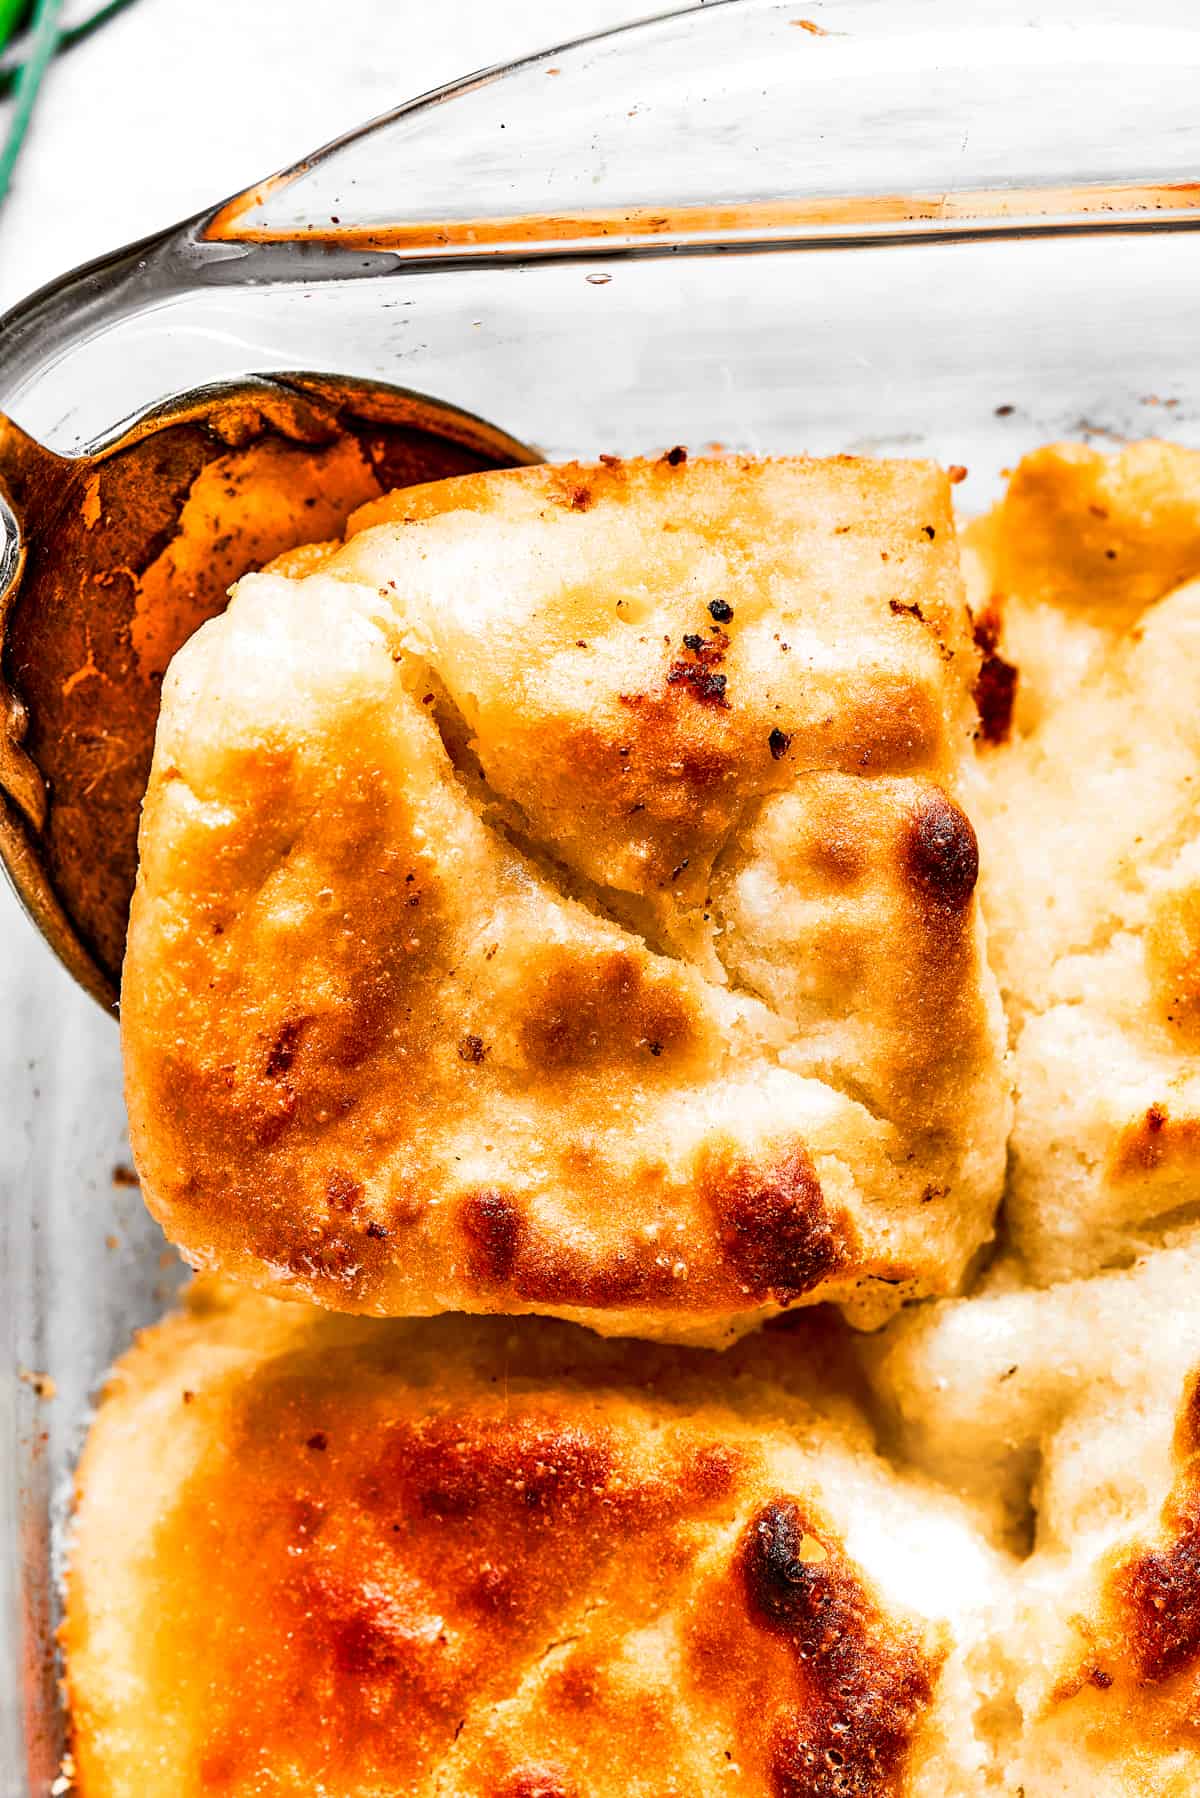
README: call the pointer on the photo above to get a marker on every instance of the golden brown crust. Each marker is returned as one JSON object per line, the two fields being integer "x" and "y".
{"x": 1106, "y": 533}
{"x": 1173, "y": 960}
{"x": 1125, "y": 1693}
{"x": 685, "y": 736}
{"x": 779, "y": 1235}
{"x": 995, "y": 690}
{"x": 1154, "y": 1141}
{"x": 1153, "y": 1593}
{"x": 560, "y": 901}
{"x": 867, "y": 1683}
{"x": 457, "y": 1558}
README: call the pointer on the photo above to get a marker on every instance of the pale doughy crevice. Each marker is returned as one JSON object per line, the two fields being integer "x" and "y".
{"x": 661, "y": 931}
{"x": 507, "y": 820}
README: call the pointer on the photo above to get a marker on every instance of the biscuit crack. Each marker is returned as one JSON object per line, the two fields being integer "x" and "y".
{"x": 587, "y": 1629}
{"x": 504, "y": 818}
{"x": 630, "y": 913}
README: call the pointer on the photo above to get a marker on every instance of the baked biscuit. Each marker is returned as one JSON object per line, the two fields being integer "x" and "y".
{"x": 559, "y": 900}
{"x": 466, "y": 1556}
{"x": 1083, "y": 582}
{"x": 1075, "y": 1414}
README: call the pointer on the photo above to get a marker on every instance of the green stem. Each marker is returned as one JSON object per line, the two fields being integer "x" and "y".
{"x": 10, "y": 13}
{"x": 43, "y": 41}
{"x": 10, "y": 64}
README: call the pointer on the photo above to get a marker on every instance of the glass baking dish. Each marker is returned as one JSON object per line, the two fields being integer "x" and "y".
{"x": 872, "y": 225}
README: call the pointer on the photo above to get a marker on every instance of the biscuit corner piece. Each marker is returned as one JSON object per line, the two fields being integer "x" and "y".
{"x": 1074, "y": 1412}
{"x": 467, "y": 1556}
{"x": 559, "y": 899}
{"x": 1086, "y": 581}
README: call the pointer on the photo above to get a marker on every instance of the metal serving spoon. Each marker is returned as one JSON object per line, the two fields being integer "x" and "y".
{"x": 110, "y": 561}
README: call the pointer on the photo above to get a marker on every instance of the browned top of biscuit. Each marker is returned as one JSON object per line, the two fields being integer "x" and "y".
{"x": 561, "y": 901}
{"x": 316, "y": 1553}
